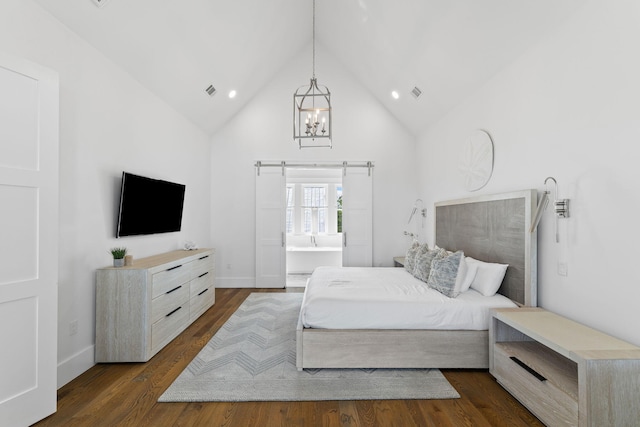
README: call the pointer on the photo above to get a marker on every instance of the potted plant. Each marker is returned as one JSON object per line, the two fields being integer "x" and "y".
{"x": 118, "y": 256}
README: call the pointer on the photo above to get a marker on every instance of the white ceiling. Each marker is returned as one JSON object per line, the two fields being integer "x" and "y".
{"x": 447, "y": 48}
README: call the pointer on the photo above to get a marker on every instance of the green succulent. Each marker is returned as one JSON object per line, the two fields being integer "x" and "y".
{"x": 118, "y": 253}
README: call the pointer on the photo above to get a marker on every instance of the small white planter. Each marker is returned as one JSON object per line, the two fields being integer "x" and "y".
{"x": 118, "y": 262}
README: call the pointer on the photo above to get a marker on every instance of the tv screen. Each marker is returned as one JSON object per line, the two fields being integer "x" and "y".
{"x": 149, "y": 206}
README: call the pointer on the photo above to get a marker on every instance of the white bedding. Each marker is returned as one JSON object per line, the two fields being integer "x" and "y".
{"x": 389, "y": 298}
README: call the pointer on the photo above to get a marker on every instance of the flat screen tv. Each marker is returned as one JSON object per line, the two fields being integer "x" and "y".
{"x": 149, "y": 206}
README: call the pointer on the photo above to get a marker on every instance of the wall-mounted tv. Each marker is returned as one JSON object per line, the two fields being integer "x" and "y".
{"x": 149, "y": 206}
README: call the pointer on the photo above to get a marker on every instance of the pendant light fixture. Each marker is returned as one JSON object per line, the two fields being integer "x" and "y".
{"x": 312, "y": 108}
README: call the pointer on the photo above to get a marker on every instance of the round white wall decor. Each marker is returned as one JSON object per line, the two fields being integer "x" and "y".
{"x": 476, "y": 163}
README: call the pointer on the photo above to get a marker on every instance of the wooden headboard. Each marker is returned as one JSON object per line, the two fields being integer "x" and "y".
{"x": 495, "y": 228}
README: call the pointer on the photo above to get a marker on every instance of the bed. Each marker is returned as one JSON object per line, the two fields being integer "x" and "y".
{"x": 491, "y": 228}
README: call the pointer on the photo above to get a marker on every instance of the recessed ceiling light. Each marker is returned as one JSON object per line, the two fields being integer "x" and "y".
{"x": 395, "y": 94}
{"x": 232, "y": 94}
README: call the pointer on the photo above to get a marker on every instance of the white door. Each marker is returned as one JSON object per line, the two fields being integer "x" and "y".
{"x": 270, "y": 228}
{"x": 28, "y": 241}
{"x": 357, "y": 217}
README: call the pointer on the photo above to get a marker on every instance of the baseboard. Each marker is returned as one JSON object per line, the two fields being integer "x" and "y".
{"x": 75, "y": 365}
{"x": 235, "y": 282}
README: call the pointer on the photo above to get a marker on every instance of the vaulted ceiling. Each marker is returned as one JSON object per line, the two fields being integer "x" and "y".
{"x": 446, "y": 48}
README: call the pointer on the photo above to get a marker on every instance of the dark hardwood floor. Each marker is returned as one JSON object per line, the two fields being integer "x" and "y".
{"x": 126, "y": 394}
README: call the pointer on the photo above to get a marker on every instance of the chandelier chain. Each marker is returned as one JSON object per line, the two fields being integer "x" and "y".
{"x": 314, "y": 40}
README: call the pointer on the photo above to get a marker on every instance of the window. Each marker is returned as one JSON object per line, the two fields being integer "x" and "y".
{"x": 312, "y": 201}
{"x": 314, "y": 209}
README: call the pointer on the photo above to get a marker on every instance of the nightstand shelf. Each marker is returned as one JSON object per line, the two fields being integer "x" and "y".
{"x": 564, "y": 372}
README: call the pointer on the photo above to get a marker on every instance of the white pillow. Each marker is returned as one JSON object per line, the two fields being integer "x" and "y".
{"x": 472, "y": 270}
{"x": 488, "y": 277}
{"x": 463, "y": 270}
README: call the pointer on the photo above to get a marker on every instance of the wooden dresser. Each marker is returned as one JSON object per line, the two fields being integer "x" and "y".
{"x": 141, "y": 308}
{"x": 565, "y": 373}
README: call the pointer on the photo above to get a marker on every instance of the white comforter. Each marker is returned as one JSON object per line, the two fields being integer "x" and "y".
{"x": 389, "y": 298}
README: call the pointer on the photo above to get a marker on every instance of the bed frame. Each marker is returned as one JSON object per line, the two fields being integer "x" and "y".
{"x": 492, "y": 228}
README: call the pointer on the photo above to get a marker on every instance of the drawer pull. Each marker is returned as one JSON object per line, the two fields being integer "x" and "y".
{"x": 173, "y": 268}
{"x": 528, "y": 369}
{"x": 203, "y": 292}
{"x": 206, "y": 256}
{"x": 173, "y": 311}
{"x": 173, "y": 290}
{"x": 203, "y": 274}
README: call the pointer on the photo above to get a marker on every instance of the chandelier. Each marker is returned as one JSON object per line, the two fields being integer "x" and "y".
{"x": 312, "y": 108}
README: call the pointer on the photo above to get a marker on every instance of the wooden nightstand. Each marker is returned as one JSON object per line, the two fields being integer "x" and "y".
{"x": 562, "y": 371}
{"x": 398, "y": 261}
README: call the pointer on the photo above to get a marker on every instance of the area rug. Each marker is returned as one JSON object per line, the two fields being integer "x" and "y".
{"x": 253, "y": 358}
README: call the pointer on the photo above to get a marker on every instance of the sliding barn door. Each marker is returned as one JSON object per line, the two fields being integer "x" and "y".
{"x": 357, "y": 217}
{"x": 28, "y": 241}
{"x": 270, "y": 228}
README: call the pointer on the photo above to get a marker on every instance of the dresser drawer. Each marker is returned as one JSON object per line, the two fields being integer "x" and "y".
{"x": 548, "y": 402}
{"x": 166, "y": 280}
{"x": 201, "y": 302}
{"x": 169, "y": 326}
{"x": 201, "y": 265}
{"x": 204, "y": 281}
{"x": 169, "y": 301}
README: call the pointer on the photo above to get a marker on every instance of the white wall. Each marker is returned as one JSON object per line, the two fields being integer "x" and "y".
{"x": 108, "y": 123}
{"x": 568, "y": 108}
{"x": 263, "y": 130}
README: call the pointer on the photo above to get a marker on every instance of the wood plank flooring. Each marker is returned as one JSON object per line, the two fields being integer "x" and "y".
{"x": 126, "y": 394}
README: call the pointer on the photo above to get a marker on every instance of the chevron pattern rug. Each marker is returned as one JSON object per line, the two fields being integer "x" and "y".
{"x": 253, "y": 358}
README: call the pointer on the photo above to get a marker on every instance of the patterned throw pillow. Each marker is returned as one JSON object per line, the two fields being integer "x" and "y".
{"x": 410, "y": 258}
{"x": 446, "y": 273}
{"x": 423, "y": 263}
{"x": 421, "y": 250}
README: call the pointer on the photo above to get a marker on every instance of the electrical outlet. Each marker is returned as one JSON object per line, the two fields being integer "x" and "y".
{"x": 562, "y": 268}
{"x": 73, "y": 327}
